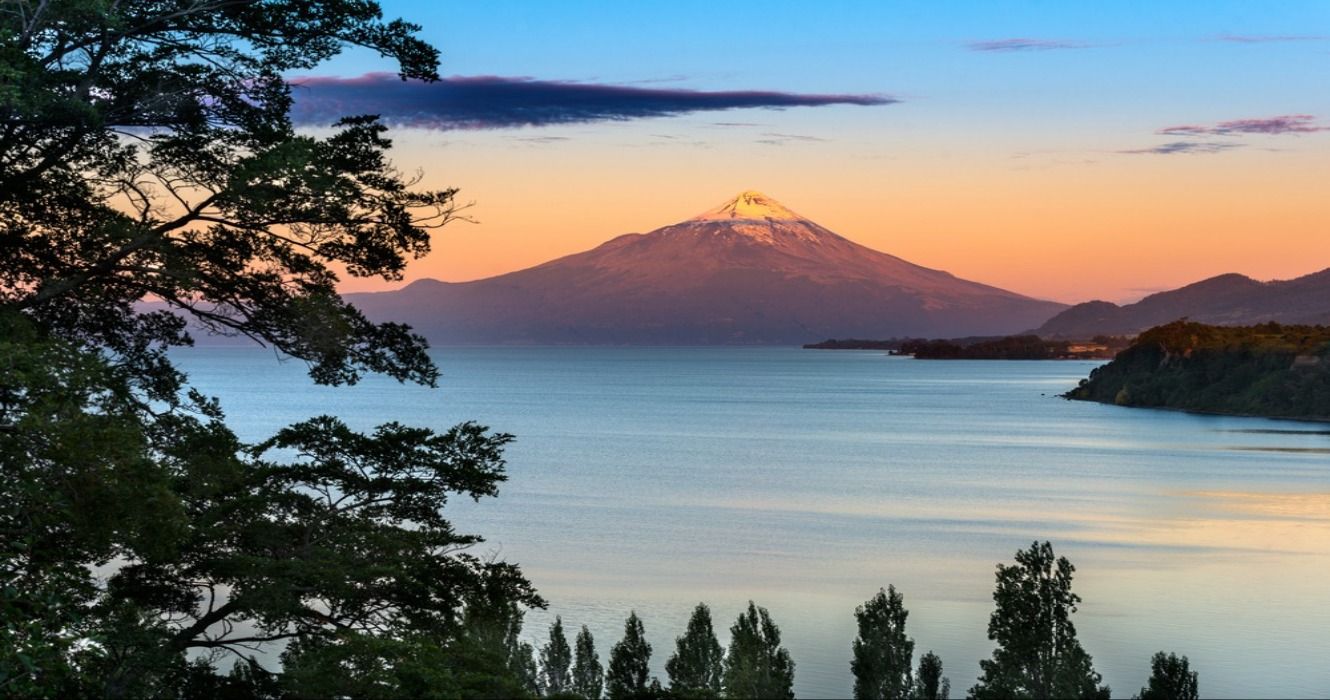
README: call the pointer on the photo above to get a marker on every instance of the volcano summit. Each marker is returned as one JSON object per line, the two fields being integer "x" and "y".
{"x": 749, "y": 271}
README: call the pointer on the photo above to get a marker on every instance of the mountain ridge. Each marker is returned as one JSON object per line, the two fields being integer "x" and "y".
{"x": 750, "y": 271}
{"x": 1230, "y": 299}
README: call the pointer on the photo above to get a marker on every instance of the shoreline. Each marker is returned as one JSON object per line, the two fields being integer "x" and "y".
{"x": 1319, "y": 420}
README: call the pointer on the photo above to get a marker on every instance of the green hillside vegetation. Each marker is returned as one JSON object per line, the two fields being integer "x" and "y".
{"x": 1266, "y": 370}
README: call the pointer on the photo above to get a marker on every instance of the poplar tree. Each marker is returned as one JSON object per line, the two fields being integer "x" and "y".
{"x": 630, "y": 661}
{"x": 696, "y": 666}
{"x": 929, "y": 682}
{"x": 588, "y": 677}
{"x": 524, "y": 668}
{"x": 756, "y": 665}
{"x": 555, "y": 659}
{"x": 1037, "y": 654}
{"x": 882, "y": 652}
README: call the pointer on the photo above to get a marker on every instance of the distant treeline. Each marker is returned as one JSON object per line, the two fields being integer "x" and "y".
{"x": 1015, "y": 347}
{"x": 1266, "y": 370}
{"x": 1037, "y": 654}
{"x": 856, "y": 344}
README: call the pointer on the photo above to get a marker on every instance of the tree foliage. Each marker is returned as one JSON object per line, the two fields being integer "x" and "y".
{"x": 556, "y": 659}
{"x": 1038, "y": 655}
{"x": 883, "y": 652}
{"x": 150, "y": 179}
{"x": 695, "y": 668}
{"x": 929, "y": 683}
{"x": 147, "y": 153}
{"x": 1171, "y": 678}
{"x": 1267, "y": 370}
{"x": 588, "y": 675}
{"x": 630, "y": 662}
{"x": 756, "y": 665}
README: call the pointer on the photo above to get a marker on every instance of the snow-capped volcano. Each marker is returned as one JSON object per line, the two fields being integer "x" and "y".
{"x": 748, "y": 271}
{"x": 752, "y": 206}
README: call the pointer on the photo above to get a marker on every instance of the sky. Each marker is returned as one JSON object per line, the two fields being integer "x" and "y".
{"x": 1068, "y": 151}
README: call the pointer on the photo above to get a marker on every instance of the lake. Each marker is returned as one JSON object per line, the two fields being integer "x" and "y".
{"x": 655, "y": 478}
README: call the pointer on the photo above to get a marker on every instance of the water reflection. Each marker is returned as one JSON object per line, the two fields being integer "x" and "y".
{"x": 653, "y": 478}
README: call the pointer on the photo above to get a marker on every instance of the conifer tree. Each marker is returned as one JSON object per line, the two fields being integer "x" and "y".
{"x": 588, "y": 678}
{"x": 629, "y": 662}
{"x": 695, "y": 669}
{"x": 756, "y": 665}
{"x": 1038, "y": 656}
{"x": 1171, "y": 678}
{"x": 555, "y": 659}
{"x": 882, "y": 652}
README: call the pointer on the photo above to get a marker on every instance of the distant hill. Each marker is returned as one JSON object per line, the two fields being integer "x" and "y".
{"x": 747, "y": 272}
{"x": 1227, "y": 300}
{"x": 1266, "y": 370}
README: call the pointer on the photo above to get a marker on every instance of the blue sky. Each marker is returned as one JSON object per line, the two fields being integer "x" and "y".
{"x": 1074, "y": 115}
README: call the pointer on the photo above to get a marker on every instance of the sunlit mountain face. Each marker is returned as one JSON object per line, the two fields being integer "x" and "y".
{"x": 749, "y": 271}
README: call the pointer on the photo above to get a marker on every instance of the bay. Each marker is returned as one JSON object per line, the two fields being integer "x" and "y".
{"x": 655, "y": 478}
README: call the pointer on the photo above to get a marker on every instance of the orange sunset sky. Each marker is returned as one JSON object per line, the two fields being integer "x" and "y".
{"x": 1107, "y": 157}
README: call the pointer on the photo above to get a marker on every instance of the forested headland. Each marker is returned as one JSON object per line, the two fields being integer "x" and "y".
{"x": 1264, "y": 370}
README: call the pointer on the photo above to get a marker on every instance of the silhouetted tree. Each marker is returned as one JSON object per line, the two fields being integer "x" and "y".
{"x": 367, "y": 666}
{"x": 556, "y": 658}
{"x": 1038, "y": 655}
{"x": 756, "y": 666}
{"x": 882, "y": 652}
{"x": 1171, "y": 678}
{"x": 588, "y": 675}
{"x": 629, "y": 662}
{"x": 695, "y": 667}
{"x": 147, "y": 152}
{"x": 929, "y": 682}
{"x": 525, "y": 669}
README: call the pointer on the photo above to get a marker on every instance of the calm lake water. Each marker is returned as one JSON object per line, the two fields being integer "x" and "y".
{"x": 654, "y": 478}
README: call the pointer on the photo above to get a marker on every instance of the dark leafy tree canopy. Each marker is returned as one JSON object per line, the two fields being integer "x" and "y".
{"x": 756, "y": 665}
{"x": 695, "y": 668}
{"x": 588, "y": 676}
{"x": 556, "y": 659}
{"x": 1171, "y": 678}
{"x": 1037, "y": 654}
{"x": 146, "y": 152}
{"x": 630, "y": 662}
{"x": 146, "y": 155}
{"x": 883, "y": 652}
{"x": 929, "y": 683}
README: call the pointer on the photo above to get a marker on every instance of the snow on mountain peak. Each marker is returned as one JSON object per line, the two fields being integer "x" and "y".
{"x": 750, "y": 206}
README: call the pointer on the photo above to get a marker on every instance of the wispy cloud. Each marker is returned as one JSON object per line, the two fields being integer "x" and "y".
{"x": 1279, "y": 125}
{"x": 1269, "y": 38}
{"x": 541, "y": 139}
{"x": 1184, "y": 130}
{"x": 776, "y": 139}
{"x": 493, "y": 102}
{"x": 1024, "y": 44}
{"x": 1183, "y": 147}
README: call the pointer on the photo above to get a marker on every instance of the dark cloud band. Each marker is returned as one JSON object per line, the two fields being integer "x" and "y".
{"x": 1182, "y": 147}
{"x": 1283, "y": 124}
{"x": 489, "y": 102}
